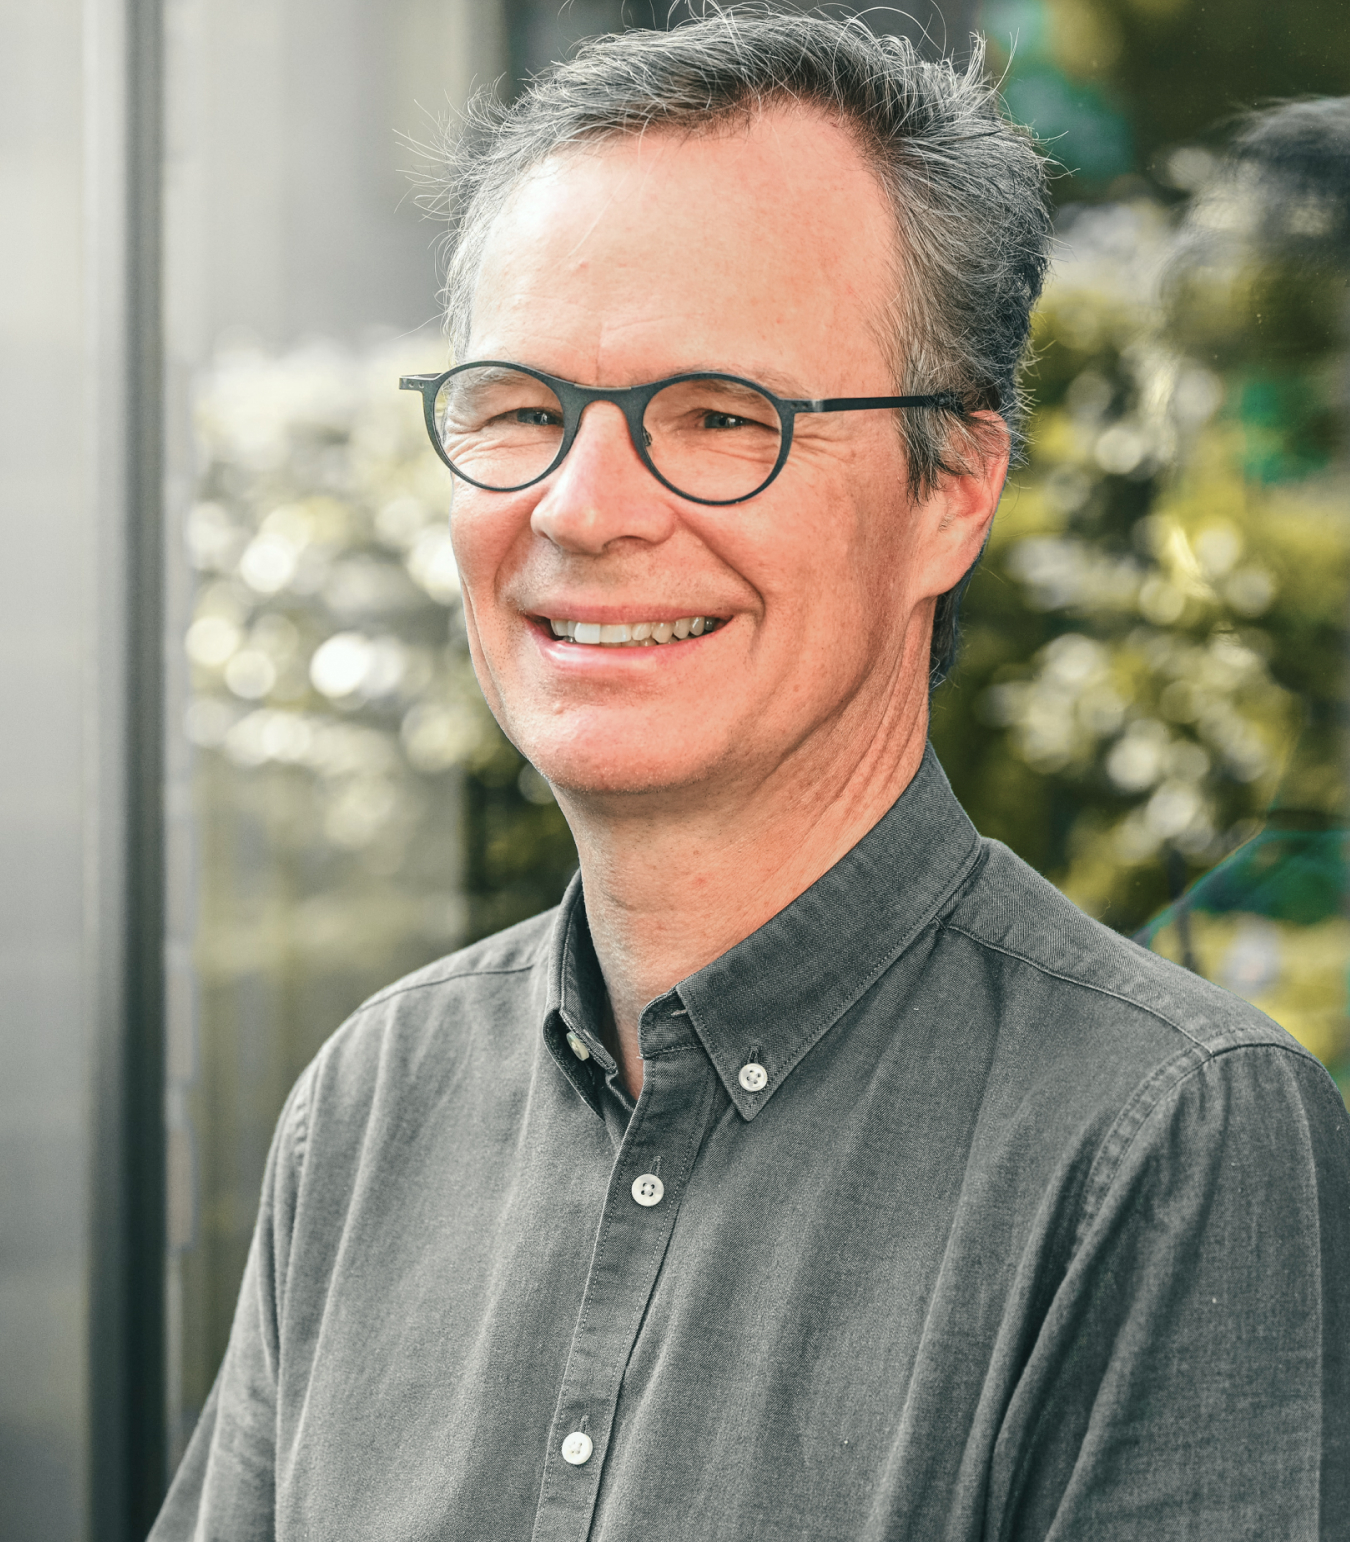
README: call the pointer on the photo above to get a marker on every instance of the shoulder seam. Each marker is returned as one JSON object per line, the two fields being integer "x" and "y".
{"x": 301, "y": 1096}
{"x": 390, "y": 991}
{"x": 1086, "y": 985}
{"x": 1140, "y": 1109}
{"x": 300, "y": 1112}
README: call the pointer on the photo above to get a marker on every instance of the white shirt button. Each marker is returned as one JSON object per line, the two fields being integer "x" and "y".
{"x": 648, "y": 1189}
{"x": 577, "y": 1046}
{"x": 577, "y": 1448}
{"x": 753, "y": 1076}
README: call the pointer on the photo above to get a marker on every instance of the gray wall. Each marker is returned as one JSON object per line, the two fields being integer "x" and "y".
{"x": 289, "y": 209}
{"x": 60, "y": 642}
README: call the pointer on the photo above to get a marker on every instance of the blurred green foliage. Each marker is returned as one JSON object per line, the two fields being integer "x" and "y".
{"x": 1116, "y": 87}
{"x": 1153, "y": 626}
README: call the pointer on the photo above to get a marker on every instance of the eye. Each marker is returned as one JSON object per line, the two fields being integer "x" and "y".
{"x": 726, "y": 420}
{"x": 535, "y": 417}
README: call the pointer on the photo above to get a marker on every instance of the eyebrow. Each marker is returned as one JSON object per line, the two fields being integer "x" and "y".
{"x": 733, "y": 390}
{"x": 492, "y": 373}
{"x": 779, "y": 384}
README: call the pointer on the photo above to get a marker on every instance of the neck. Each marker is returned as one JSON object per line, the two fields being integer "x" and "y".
{"x": 673, "y": 881}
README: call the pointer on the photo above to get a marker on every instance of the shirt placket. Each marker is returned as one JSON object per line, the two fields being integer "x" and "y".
{"x": 646, "y": 1187}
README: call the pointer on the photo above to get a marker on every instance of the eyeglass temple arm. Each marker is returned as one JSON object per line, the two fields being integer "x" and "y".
{"x": 425, "y": 385}
{"x": 949, "y": 401}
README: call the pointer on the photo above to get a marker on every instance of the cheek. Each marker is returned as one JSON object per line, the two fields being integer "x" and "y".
{"x": 876, "y": 556}
{"x": 484, "y": 536}
{"x": 834, "y": 558}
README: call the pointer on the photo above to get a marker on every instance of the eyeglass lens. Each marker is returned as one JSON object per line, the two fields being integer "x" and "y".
{"x": 716, "y": 440}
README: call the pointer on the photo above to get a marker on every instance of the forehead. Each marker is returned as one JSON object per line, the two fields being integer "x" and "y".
{"x": 768, "y": 239}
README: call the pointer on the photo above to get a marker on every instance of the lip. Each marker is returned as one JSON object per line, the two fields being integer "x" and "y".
{"x": 585, "y": 657}
{"x": 615, "y": 615}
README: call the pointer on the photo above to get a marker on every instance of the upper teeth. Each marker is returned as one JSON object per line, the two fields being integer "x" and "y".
{"x": 635, "y": 634}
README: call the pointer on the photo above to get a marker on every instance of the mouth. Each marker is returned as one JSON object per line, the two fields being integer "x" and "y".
{"x": 631, "y": 634}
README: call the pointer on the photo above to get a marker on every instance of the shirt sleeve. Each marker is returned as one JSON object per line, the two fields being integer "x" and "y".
{"x": 1191, "y": 1378}
{"x": 225, "y": 1487}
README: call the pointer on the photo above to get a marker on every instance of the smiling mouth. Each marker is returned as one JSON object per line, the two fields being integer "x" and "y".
{"x": 634, "y": 634}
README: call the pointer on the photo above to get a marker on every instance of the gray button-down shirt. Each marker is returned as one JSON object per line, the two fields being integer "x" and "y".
{"x": 1027, "y": 1234}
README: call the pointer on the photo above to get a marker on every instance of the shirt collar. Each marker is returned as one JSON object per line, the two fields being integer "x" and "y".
{"x": 774, "y": 995}
{"x": 574, "y": 1005}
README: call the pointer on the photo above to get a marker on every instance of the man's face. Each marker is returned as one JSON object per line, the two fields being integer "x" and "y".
{"x": 767, "y": 252}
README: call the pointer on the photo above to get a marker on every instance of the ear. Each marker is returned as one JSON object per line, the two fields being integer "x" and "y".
{"x": 955, "y": 517}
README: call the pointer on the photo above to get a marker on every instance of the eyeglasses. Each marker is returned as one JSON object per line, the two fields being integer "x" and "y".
{"x": 711, "y": 438}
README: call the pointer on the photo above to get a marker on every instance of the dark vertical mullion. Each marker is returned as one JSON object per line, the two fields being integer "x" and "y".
{"x": 143, "y": 1324}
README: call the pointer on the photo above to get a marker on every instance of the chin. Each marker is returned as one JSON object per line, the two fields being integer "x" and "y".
{"x": 617, "y": 771}
{"x": 620, "y": 780}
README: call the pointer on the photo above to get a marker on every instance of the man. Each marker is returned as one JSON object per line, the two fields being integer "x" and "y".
{"x": 815, "y": 1170}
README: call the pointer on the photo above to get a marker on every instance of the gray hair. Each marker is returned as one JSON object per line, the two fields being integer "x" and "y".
{"x": 966, "y": 186}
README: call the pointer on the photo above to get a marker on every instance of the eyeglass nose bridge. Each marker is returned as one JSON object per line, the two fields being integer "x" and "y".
{"x": 632, "y": 402}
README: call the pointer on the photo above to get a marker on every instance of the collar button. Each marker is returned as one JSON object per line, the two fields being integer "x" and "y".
{"x": 753, "y": 1077}
{"x": 577, "y": 1045}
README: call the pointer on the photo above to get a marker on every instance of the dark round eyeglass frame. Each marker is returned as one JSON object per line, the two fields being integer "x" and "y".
{"x": 633, "y": 402}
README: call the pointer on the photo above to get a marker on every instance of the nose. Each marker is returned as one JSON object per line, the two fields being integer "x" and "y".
{"x": 602, "y": 492}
